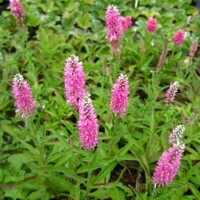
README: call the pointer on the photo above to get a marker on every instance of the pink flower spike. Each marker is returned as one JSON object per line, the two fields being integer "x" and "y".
{"x": 113, "y": 23}
{"x": 126, "y": 23}
{"x": 151, "y": 24}
{"x": 179, "y": 37}
{"x": 114, "y": 28}
{"x": 171, "y": 92}
{"x": 119, "y": 98}
{"x": 23, "y": 96}
{"x": 87, "y": 124}
{"x": 74, "y": 80}
{"x": 193, "y": 49}
{"x": 168, "y": 165}
{"x": 17, "y": 11}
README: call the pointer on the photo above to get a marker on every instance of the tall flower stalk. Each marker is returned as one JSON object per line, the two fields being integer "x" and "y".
{"x": 17, "y": 11}
{"x": 119, "y": 96}
{"x": 162, "y": 57}
{"x": 23, "y": 96}
{"x": 169, "y": 163}
{"x": 193, "y": 49}
{"x": 74, "y": 80}
{"x": 171, "y": 92}
{"x": 114, "y": 28}
{"x": 87, "y": 124}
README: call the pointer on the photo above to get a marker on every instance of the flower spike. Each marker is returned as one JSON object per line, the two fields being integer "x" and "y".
{"x": 23, "y": 96}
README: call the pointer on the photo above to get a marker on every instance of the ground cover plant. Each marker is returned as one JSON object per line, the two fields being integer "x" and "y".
{"x": 99, "y": 100}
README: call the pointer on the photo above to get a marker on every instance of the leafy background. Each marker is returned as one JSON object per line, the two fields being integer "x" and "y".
{"x": 41, "y": 157}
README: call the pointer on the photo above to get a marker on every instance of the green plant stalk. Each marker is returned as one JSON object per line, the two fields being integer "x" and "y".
{"x": 146, "y": 170}
{"x": 114, "y": 69}
{"x": 136, "y": 3}
{"x": 89, "y": 174}
{"x": 34, "y": 137}
{"x": 109, "y": 116}
{"x": 156, "y": 78}
{"x": 77, "y": 158}
{"x": 114, "y": 137}
{"x": 39, "y": 149}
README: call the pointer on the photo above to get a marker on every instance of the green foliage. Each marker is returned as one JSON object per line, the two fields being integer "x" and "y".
{"x": 41, "y": 157}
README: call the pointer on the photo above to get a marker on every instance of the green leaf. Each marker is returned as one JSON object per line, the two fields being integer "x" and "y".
{"x": 33, "y": 18}
{"x": 104, "y": 172}
{"x": 84, "y": 21}
{"x": 59, "y": 184}
{"x": 136, "y": 147}
{"x": 103, "y": 193}
{"x": 39, "y": 195}
{"x": 14, "y": 194}
{"x": 116, "y": 193}
{"x": 75, "y": 192}
{"x": 152, "y": 122}
{"x": 12, "y": 131}
{"x": 18, "y": 159}
{"x": 33, "y": 182}
{"x": 194, "y": 191}
{"x": 67, "y": 172}
{"x": 122, "y": 152}
{"x": 4, "y": 104}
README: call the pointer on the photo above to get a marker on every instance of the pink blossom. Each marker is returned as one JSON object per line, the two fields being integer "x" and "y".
{"x": 114, "y": 27}
{"x": 17, "y": 10}
{"x": 74, "y": 78}
{"x": 113, "y": 23}
{"x": 151, "y": 24}
{"x": 119, "y": 98}
{"x": 126, "y": 23}
{"x": 179, "y": 37}
{"x": 168, "y": 165}
{"x": 23, "y": 96}
{"x": 171, "y": 92}
{"x": 87, "y": 124}
{"x": 193, "y": 49}
{"x": 176, "y": 135}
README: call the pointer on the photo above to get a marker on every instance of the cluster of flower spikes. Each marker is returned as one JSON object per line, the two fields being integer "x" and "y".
{"x": 23, "y": 96}
{"x": 74, "y": 80}
{"x": 171, "y": 92}
{"x": 87, "y": 124}
{"x": 75, "y": 77}
{"x": 76, "y": 95}
{"x": 17, "y": 11}
{"x": 116, "y": 26}
{"x": 119, "y": 96}
{"x": 169, "y": 163}
{"x": 151, "y": 24}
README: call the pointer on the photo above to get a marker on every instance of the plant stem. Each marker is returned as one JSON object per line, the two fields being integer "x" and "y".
{"x": 136, "y": 3}
{"x": 77, "y": 158}
{"x": 89, "y": 175}
{"x": 35, "y": 139}
{"x": 39, "y": 148}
